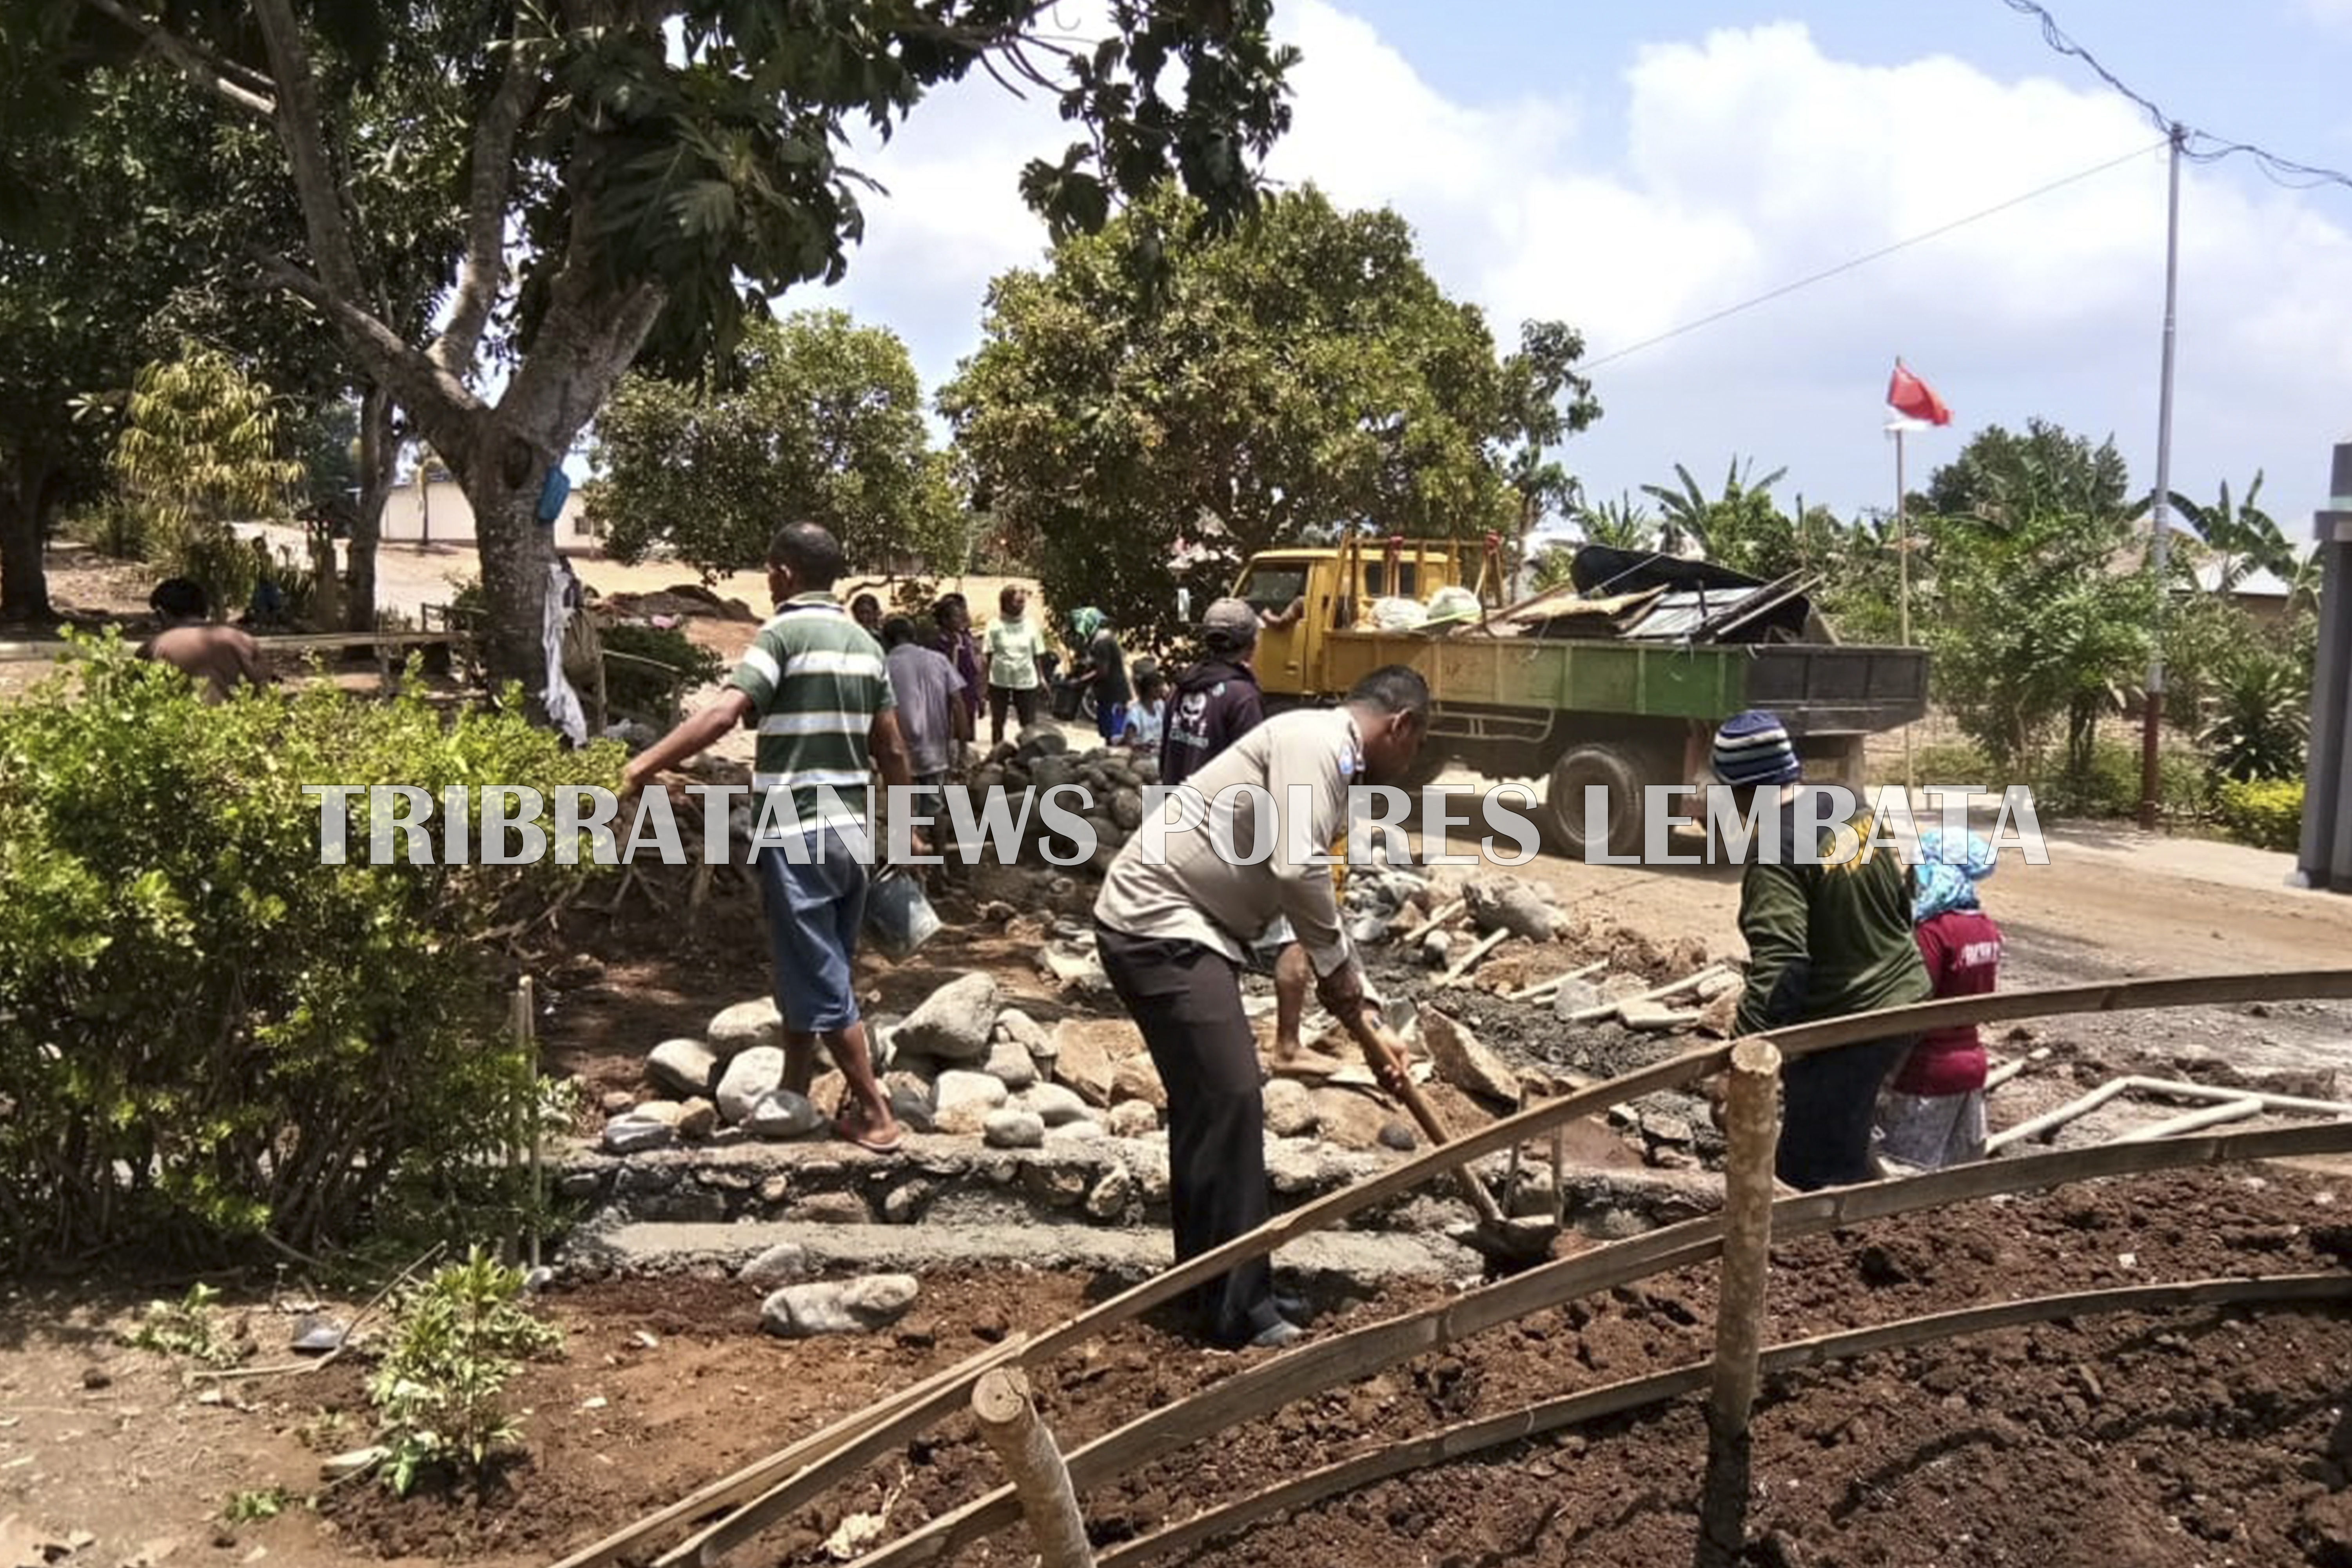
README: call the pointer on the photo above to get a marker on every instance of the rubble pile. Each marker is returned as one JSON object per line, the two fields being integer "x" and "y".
{"x": 1113, "y": 780}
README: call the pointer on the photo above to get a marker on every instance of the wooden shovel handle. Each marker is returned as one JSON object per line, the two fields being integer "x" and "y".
{"x": 1376, "y": 1039}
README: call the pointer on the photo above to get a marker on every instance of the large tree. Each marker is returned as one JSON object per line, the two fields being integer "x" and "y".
{"x": 1164, "y": 384}
{"x": 635, "y": 173}
{"x": 822, "y": 421}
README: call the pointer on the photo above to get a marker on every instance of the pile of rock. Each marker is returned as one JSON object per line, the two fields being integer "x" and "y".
{"x": 961, "y": 1064}
{"x": 1114, "y": 781}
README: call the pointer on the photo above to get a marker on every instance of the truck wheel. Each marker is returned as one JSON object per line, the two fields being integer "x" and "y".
{"x": 1615, "y": 771}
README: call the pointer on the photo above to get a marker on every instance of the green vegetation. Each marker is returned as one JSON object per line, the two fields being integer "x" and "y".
{"x": 629, "y": 689}
{"x": 820, "y": 419}
{"x": 211, "y": 1035}
{"x": 1299, "y": 371}
{"x": 2266, "y": 812}
{"x": 255, "y": 1505}
{"x": 439, "y": 1389}
{"x": 188, "y": 1327}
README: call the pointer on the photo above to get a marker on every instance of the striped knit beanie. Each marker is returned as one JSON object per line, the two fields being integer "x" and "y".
{"x": 1753, "y": 749}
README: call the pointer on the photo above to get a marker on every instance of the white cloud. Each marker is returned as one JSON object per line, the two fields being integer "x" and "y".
{"x": 1733, "y": 164}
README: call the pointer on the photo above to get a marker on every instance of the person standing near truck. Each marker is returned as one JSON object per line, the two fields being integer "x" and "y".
{"x": 1828, "y": 924}
{"x": 1173, "y": 925}
{"x": 1215, "y": 701}
{"x": 1932, "y": 1112}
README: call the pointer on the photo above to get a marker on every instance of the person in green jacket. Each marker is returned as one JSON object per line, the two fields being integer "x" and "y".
{"x": 1828, "y": 925}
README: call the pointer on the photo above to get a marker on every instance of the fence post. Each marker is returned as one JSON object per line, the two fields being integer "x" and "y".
{"x": 1753, "y": 1135}
{"x": 1009, "y": 1423}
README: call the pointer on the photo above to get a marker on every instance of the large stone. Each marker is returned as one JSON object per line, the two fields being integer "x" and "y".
{"x": 751, "y": 1076}
{"x": 1010, "y": 1062}
{"x": 697, "y": 1118}
{"x": 1574, "y": 996}
{"x": 1350, "y": 1119}
{"x": 954, "y": 1023}
{"x": 1134, "y": 1077}
{"x": 1107, "y": 1198}
{"x": 786, "y": 1261}
{"x": 1021, "y": 1029}
{"x": 633, "y": 1134}
{"x": 1497, "y": 901}
{"x": 910, "y": 1100}
{"x": 1464, "y": 1063}
{"x": 665, "y": 1111}
{"x": 839, "y": 1307}
{"x": 1135, "y": 1119}
{"x": 1055, "y": 1103}
{"x": 1289, "y": 1108}
{"x": 780, "y": 1113}
{"x": 962, "y": 1101}
{"x": 1085, "y": 1130}
{"x": 1086, "y": 1052}
{"x": 745, "y": 1024}
{"x": 1080, "y": 972}
{"x": 684, "y": 1066}
{"x": 1013, "y": 1128}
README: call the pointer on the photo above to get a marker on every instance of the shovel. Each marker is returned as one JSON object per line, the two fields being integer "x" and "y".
{"x": 1507, "y": 1245}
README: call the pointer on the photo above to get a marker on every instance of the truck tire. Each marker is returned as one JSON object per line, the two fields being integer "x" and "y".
{"x": 1615, "y": 769}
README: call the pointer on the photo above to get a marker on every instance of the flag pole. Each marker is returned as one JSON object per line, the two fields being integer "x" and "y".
{"x": 1903, "y": 598}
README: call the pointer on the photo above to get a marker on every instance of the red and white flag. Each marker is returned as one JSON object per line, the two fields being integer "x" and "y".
{"x": 1915, "y": 403}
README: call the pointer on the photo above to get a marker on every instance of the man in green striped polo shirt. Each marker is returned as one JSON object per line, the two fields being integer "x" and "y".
{"x": 815, "y": 685}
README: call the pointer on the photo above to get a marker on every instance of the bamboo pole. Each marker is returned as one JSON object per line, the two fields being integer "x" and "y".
{"x": 2205, "y": 1116}
{"x": 1324, "y": 1363}
{"x": 1487, "y": 944}
{"x": 1468, "y": 1438}
{"x": 534, "y": 1214}
{"x": 1545, "y": 987}
{"x": 1753, "y": 1136}
{"x": 1445, "y": 912}
{"x": 1009, "y": 1424}
{"x": 803, "y": 1469}
{"x": 2073, "y": 1110}
{"x": 1654, "y": 994}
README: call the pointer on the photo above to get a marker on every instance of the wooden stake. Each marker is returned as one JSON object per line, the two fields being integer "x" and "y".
{"x": 1000, "y": 1402}
{"x": 1487, "y": 944}
{"x": 532, "y": 1129}
{"x": 1752, "y": 1137}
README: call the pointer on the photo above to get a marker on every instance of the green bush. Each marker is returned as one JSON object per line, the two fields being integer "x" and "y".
{"x": 631, "y": 689}
{"x": 1954, "y": 762}
{"x": 2264, "y": 812}
{"x": 205, "y": 1032}
{"x": 439, "y": 1391}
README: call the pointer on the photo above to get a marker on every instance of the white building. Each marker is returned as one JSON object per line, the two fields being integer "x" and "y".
{"x": 437, "y": 512}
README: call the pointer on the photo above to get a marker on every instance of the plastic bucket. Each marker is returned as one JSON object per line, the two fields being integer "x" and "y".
{"x": 898, "y": 917}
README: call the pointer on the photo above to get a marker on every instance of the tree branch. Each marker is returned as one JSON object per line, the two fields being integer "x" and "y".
{"x": 226, "y": 78}
{"x": 434, "y": 398}
{"x": 301, "y": 126}
{"x": 479, "y": 274}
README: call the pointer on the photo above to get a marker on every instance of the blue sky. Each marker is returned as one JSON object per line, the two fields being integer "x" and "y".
{"x": 1631, "y": 168}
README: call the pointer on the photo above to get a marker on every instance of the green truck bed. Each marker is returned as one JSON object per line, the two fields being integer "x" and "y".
{"x": 1817, "y": 689}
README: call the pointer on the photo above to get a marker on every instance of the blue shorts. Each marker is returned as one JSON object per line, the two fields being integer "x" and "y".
{"x": 1110, "y": 720}
{"x": 813, "y": 912}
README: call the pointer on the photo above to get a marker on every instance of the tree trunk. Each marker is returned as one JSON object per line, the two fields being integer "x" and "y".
{"x": 378, "y": 448}
{"x": 24, "y": 574}
{"x": 514, "y": 551}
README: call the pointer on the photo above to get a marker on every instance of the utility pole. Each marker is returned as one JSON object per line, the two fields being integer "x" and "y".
{"x": 2160, "y": 514}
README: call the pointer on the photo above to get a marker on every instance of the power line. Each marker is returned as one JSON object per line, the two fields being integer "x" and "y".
{"x": 1863, "y": 260}
{"x": 2200, "y": 145}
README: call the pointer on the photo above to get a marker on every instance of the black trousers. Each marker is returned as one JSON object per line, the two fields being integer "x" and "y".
{"x": 1187, "y": 1000}
{"x": 1829, "y": 1102}
{"x": 1022, "y": 700}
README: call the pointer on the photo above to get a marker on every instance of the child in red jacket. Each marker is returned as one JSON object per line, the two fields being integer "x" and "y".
{"x": 1932, "y": 1112}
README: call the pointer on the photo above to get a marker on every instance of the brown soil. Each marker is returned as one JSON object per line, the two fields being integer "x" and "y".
{"x": 2198, "y": 1439}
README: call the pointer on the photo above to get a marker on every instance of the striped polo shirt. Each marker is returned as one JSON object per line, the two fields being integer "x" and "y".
{"x": 815, "y": 680}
